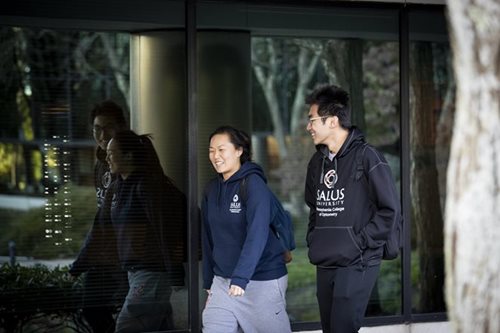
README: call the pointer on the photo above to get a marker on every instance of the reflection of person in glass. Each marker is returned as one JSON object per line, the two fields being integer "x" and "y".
{"x": 244, "y": 271}
{"x": 148, "y": 216}
{"x": 104, "y": 280}
{"x": 350, "y": 218}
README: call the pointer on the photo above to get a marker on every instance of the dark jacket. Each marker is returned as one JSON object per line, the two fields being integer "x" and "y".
{"x": 349, "y": 220}
{"x": 149, "y": 218}
{"x": 99, "y": 249}
{"x": 237, "y": 240}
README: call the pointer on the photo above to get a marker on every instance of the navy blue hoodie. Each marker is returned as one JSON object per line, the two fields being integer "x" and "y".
{"x": 148, "y": 213}
{"x": 349, "y": 220}
{"x": 237, "y": 239}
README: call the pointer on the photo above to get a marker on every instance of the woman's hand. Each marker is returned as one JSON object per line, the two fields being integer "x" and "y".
{"x": 236, "y": 291}
{"x": 209, "y": 295}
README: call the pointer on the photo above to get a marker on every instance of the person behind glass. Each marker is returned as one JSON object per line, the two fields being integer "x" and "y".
{"x": 148, "y": 216}
{"x": 349, "y": 220}
{"x": 104, "y": 283}
{"x": 244, "y": 270}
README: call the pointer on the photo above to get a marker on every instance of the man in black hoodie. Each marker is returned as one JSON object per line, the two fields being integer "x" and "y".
{"x": 350, "y": 218}
{"x": 105, "y": 284}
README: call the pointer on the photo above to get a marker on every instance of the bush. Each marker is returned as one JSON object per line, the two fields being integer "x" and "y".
{"x": 39, "y": 299}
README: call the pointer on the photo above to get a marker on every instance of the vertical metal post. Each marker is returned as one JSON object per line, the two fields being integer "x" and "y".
{"x": 404, "y": 79}
{"x": 192, "y": 126}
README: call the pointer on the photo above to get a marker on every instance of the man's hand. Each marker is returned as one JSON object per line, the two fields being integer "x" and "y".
{"x": 236, "y": 291}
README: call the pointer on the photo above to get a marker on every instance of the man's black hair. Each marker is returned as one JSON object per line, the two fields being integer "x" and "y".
{"x": 331, "y": 101}
{"x": 108, "y": 108}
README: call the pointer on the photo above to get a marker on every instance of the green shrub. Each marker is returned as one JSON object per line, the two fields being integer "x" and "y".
{"x": 39, "y": 299}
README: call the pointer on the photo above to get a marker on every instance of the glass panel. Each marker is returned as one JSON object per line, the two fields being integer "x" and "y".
{"x": 356, "y": 49}
{"x": 50, "y": 81}
{"x": 432, "y": 95}
{"x": 158, "y": 90}
{"x": 370, "y": 71}
{"x": 53, "y": 79}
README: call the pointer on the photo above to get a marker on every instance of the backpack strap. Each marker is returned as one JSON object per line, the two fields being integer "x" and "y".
{"x": 360, "y": 169}
{"x": 243, "y": 189}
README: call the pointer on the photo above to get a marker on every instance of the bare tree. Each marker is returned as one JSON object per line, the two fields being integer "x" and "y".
{"x": 115, "y": 48}
{"x": 117, "y": 51}
{"x": 472, "y": 227}
{"x": 343, "y": 62}
{"x": 267, "y": 66}
{"x": 309, "y": 55}
{"x": 267, "y": 70}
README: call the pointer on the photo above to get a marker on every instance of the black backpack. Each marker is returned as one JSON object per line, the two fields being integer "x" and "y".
{"x": 281, "y": 221}
{"x": 394, "y": 243}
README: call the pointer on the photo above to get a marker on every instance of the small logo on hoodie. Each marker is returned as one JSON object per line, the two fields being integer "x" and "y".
{"x": 235, "y": 206}
{"x": 106, "y": 179}
{"x": 330, "y": 178}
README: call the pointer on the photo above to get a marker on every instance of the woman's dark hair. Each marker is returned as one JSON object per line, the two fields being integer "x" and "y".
{"x": 239, "y": 139}
{"x": 144, "y": 157}
{"x": 110, "y": 109}
{"x": 331, "y": 101}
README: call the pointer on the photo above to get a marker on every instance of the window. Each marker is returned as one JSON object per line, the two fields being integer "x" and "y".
{"x": 432, "y": 106}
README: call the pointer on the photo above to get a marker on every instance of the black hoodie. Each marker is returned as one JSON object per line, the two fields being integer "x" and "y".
{"x": 349, "y": 220}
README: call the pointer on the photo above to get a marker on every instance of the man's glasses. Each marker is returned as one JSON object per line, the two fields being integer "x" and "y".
{"x": 100, "y": 129}
{"x": 311, "y": 120}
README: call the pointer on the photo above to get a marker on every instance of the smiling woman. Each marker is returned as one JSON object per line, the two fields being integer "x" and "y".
{"x": 148, "y": 214}
{"x": 224, "y": 155}
{"x": 242, "y": 258}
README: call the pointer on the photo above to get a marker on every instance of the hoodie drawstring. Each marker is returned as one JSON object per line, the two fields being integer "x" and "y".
{"x": 322, "y": 170}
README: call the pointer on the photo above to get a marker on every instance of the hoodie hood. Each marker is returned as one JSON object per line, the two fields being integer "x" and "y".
{"x": 354, "y": 138}
{"x": 245, "y": 170}
{"x": 224, "y": 186}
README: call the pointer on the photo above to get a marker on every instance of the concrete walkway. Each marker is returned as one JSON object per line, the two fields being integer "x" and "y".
{"x": 438, "y": 327}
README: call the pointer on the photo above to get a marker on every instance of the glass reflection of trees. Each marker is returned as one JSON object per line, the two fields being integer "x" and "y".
{"x": 432, "y": 109}
{"x": 285, "y": 70}
{"x": 49, "y": 80}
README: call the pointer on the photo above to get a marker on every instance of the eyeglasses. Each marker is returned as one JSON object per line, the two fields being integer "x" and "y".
{"x": 96, "y": 129}
{"x": 311, "y": 120}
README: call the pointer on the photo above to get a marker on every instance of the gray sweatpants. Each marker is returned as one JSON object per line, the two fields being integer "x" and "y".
{"x": 262, "y": 309}
{"x": 147, "y": 306}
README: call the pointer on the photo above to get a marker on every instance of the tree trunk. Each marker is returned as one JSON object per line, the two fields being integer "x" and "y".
{"x": 344, "y": 62}
{"x": 426, "y": 212}
{"x": 472, "y": 229}
{"x": 445, "y": 130}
